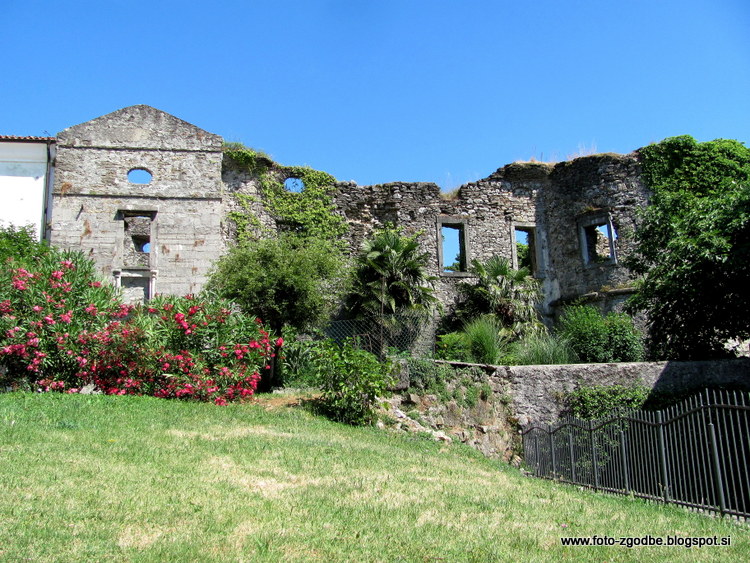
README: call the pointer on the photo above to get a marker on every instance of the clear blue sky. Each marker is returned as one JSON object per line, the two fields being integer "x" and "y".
{"x": 384, "y": 90}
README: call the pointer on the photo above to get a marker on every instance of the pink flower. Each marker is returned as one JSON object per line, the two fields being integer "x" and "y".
{"x": 67, "y": 317}
{"x": 91, "y": 309}
{"x": 95, "y": 284}
{"x": 279, "y": 342}
{"x": 67, "y": 264}
{"x": 57, "y": 274}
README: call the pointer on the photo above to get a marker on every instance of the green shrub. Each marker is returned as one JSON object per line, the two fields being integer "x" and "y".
{"x": 351, "y": 382}
{"x": 544, "y": 348}
{"x": 302, "y": 361}
{"x": 285, "y": 281}
{"x": 600, "y": 339}
{"x": 20, "y": 243}
{"x": 428, "y": 377}
{"x": 452, "y": 346}
{"x": 599, "y": 401}
{"x": 626, "y": 341}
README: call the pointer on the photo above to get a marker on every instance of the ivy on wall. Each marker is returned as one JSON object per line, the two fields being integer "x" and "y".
{"x": 308, "y": 213}
{"x": 693, "y": 248}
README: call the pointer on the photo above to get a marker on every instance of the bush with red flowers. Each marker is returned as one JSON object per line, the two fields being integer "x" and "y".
{"x": 62, "y": 329}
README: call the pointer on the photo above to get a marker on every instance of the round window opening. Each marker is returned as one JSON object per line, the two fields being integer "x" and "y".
{"x": 139, "y": 176}
{"x": 295, "y": 185}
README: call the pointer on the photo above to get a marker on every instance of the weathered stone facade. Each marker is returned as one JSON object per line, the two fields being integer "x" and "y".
{"x": 163, "y": 235}
{"x": 160, "y": 236}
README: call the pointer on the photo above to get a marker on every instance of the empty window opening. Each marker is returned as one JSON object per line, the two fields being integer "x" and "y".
{"x": 453, "y": 248}
{"x": 139, "y": 176}
{"x": 598, "y": 241}
{"x": 295, "y": 185}
{"x": 525, "y": 239}
{"x": 137, "y": 241}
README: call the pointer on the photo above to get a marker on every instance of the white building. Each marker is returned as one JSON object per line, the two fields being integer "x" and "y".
{"x": 26, "y": 174}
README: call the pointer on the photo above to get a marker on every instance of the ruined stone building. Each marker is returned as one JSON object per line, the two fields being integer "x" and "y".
{"x": 145, "y": 195}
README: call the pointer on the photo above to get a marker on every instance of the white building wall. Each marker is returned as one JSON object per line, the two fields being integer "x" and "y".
{"x": 23, "y": 182}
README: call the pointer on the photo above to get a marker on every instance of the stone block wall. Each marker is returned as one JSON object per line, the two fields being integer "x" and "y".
{"x": 537, "y": 391}
{"x": 159, "y": 236}
{"x": 192, "y": 194}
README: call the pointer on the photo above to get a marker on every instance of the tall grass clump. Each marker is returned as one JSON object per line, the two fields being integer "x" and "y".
{"x": 484, "y": 340}
{"x": 544, "y": 348}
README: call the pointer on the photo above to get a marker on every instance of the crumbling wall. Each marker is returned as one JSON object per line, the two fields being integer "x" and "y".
{"x": 176, "y": 214}
{"x": 185, "y": 211}
{"x": 582, "y": 193}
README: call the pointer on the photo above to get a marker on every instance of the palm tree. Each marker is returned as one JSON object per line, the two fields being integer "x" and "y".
{"x": 510, "y": 295}
{"x": 390, "y": 276}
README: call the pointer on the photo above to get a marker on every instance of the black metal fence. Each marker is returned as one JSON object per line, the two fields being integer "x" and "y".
{"x": 696, "y": 453}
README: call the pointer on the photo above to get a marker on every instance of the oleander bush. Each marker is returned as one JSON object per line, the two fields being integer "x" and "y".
{"x": 63, "y": 329}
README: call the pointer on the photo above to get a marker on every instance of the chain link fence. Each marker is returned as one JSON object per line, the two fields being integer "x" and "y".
{"x": 384, "y": 334}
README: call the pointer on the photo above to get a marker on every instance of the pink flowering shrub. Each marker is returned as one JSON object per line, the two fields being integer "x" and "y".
{"x": 180, "y": 347}
{"x": 47, "y": 301}
{"x": 62, "y": 329}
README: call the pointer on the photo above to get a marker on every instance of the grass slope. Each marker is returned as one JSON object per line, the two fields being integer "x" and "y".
{"x": 94, "y": 478}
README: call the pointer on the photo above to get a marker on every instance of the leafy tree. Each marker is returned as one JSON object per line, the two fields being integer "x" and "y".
{"x": 390, "y": 276}
{"x": 20, "y": 243}
{"x": 510, "y": 295}
{"x": 693, "y": 248}
{"x": 285, "y": 280}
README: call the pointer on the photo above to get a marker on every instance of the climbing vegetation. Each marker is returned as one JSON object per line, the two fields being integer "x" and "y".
{"x": 309, "y": 213}
{"x": 693, "y": 248}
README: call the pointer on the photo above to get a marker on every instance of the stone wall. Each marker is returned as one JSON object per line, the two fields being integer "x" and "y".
{"x": 178, "y": 214}
{"x": 522, "y": 395}
{"x": 566, "y": 207}
{"x": 536, "y": 392}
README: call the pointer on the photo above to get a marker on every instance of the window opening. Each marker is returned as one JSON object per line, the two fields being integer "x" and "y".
{"x": 525, "y": 239}
{"x": 139, "y": 176}
{"x": 598, "y": 241}
{"x": 295, "y": 185}
{"x": 453, "y": 247}
{"x": 137, "y": 241}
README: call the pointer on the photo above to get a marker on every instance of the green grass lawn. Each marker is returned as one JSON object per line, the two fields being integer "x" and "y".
{"x": 94, "y": 478}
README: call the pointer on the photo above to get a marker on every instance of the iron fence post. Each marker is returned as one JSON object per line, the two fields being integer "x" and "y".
{"x": 716, "y": 468}
{"x": 572, "y": 457}
{"x": 624, "y": 456}
{"x": 594, "y": 465}
{"x": 552, "y": 450}
{"x": 662, "y": 456}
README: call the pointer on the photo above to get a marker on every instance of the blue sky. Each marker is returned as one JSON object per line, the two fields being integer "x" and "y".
{"x": 384, "y": 90}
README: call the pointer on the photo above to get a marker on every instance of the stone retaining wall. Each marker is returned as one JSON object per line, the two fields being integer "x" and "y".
{"x": 536, "y": 392}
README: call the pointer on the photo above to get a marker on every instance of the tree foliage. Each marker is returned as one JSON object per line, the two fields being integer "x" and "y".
{"x": 286, "y": 281}
{"x": 391, "y": 277}
{"x": 509, "y": 295}
{"x": 693, "y": 247}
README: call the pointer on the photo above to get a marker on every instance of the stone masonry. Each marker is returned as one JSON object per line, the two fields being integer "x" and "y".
{"x": 176, "y": 216}
{"x": 163, "y": 234}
